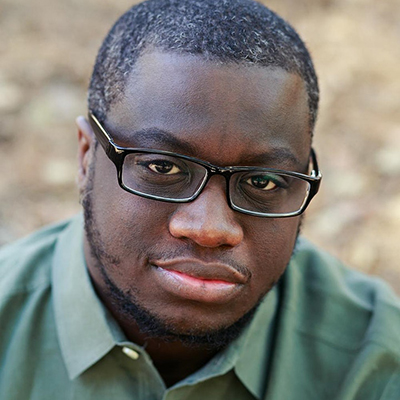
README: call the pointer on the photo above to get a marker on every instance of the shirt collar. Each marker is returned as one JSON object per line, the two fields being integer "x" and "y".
{"x": 248, "y": 356}
{"x": 255, "y": 346}
{"x": 82, "y": 322}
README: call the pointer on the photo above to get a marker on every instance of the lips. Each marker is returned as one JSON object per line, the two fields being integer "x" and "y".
{"x": 197, "y": 280}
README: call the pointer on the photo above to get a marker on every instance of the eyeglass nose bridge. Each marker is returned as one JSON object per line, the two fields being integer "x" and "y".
{"x": 213, "y": 170}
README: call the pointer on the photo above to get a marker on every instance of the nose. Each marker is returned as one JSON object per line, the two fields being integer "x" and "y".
{"x": 208, "y": 220}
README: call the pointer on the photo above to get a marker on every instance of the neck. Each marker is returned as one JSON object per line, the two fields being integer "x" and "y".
{"x": 173, "y": 359}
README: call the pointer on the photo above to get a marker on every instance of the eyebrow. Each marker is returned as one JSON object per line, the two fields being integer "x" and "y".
{"x": 277, "y": 156}
{"x": 154, "y": 137}
{"x": 151, "y": 137}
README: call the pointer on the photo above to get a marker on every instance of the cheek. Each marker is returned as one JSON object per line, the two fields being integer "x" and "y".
{"x": 124, "y": 220}
{"x": 132, "y": 221}
{"x": 272, "y": 243}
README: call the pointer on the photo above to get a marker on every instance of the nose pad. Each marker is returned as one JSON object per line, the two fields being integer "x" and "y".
{"x": 208, "y": 220}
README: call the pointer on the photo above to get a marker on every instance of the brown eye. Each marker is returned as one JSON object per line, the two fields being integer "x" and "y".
{"x": 261, "y": 182}
{"x": 164, "y": 167}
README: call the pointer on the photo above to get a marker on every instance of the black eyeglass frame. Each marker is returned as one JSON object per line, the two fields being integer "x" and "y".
{"x": 117, "y": 155}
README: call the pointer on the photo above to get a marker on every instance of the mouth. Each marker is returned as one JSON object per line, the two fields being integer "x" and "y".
{"x": 196, "y": 280}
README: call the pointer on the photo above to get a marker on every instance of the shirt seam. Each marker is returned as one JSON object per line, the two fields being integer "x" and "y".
{"x": 389, "y": 390}
{"x": 352, "y": 349}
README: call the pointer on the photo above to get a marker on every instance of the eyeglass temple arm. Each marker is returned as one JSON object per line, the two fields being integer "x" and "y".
{"x": 316, "y": 172}
{"x": 102, "y": 136}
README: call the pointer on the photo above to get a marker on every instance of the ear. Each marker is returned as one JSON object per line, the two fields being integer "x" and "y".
{"x": 85, "y": 150}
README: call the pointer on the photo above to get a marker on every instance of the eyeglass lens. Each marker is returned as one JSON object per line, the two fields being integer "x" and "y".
{"x": 173, "y": 178}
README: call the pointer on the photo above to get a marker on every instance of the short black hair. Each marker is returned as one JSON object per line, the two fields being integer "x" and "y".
{"x": 229, "y": 31}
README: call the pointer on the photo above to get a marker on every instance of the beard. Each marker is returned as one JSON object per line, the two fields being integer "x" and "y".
{"x": 150, "y": 324}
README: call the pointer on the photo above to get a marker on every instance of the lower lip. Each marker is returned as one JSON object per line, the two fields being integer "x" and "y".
{"x": 196, "y": 289}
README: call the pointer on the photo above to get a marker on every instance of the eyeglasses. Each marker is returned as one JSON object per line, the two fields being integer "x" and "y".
{"x": 166, "y": 176}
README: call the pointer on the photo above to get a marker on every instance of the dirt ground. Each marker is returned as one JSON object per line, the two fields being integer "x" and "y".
{"x": 47, "y": 49}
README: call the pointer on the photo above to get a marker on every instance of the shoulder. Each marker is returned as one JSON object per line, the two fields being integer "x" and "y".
{"x": 364, "y": 307}
{"x": 25, "y": 264}
{"x": 28, "y": 327}
{"x": 338, "y": 331}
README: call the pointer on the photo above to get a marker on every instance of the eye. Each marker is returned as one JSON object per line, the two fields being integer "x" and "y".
{"x": 163, "y": 167}
{"x": 263, "y": 182}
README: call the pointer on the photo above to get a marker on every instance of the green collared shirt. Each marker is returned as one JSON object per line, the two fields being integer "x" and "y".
{"x": 324, "y": 333}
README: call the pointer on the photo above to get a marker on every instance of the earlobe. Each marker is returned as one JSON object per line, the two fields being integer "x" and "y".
{"x": 85, "y": 151}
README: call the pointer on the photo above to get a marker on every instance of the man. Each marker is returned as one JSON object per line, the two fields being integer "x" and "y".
{"x": 186, "y": 278}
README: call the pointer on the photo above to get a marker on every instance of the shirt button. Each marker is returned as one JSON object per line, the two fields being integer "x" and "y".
{"x": 130, "y": 353}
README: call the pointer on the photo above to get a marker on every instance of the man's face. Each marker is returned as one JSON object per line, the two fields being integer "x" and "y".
{"x": 197, "y": 267}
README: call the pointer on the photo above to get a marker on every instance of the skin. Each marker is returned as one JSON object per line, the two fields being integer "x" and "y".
{"x": 226, "y": 114}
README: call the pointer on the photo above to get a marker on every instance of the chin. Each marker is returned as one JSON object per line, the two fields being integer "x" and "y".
{"x": 187, "y": 331}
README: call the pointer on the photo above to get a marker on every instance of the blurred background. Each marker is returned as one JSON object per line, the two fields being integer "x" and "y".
{"x": 47, "y": 50}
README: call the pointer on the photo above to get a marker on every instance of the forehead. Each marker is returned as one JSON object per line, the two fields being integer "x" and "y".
{"x": 227, "y": 113}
